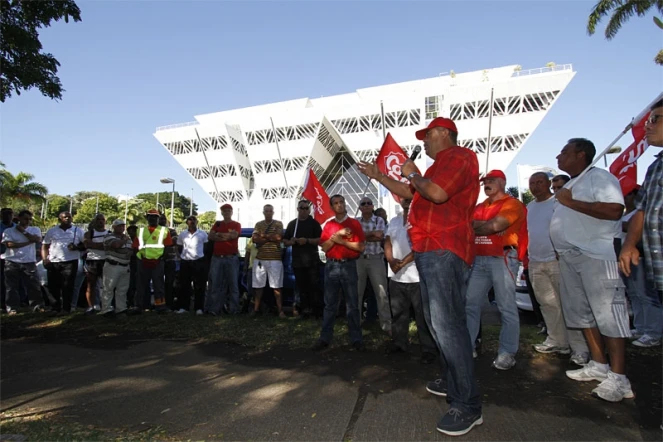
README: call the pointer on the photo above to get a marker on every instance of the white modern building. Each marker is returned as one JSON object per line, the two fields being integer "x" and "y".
{"x": 258, "y": 155}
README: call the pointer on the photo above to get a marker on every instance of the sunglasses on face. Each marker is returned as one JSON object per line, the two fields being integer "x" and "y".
{"x": 303, "y": 208}
{"x": 366, "y": 203}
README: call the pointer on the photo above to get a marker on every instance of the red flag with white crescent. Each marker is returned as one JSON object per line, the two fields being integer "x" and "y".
{"x": 390, "y": 159}
{"x": 625, "y": 165}
{"x": 315, "y": 193}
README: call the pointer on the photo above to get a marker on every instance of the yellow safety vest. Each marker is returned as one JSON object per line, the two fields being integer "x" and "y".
{"x": 151, "y": 247}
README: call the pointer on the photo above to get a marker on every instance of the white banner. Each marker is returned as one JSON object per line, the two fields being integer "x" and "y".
{"x": 527, "y": 170}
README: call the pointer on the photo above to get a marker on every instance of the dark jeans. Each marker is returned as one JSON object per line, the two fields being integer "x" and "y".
{"x": 143, "y": 293}
{"x": 192, "y": 272}
{"x": 133, "y": 281}
{"x": 443, "y": 278}
{"x": 170, "y": 273}
{"x": 2, "y": 285}
{"x": 20, "y": 276}
{"x": 61, "y": 281}
{"x": 403, "y": 295}
{"x": 308, "y": 283}
{"x": 341, "y": 276}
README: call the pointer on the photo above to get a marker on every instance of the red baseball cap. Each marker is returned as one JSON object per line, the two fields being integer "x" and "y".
{"x": 152, "y": 212}
{"x": 437, "y": 122}
{"x": 494, "y": 174}
{"x": 227, "y": 206}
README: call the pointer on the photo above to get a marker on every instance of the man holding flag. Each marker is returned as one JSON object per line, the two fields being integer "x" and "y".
{"x": 443, "y": 242}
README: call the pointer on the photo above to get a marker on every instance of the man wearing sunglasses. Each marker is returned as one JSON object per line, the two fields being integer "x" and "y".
{"x": 303, "y": 235}
{"x": 645, "y": 225}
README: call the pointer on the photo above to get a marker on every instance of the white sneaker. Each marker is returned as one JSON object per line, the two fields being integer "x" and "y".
{"x": 580, "y": 358}
{"x": 549, "y": 347}
{"x": 180, "y": 311}
{"x": 635, "y": 334}
{"x": 614, "y": 389}
{"x": 199, "y": 312}
{"x": 590, "y": 372}
{"x": 504, "y": 361}
{"x": 646, "y": 341}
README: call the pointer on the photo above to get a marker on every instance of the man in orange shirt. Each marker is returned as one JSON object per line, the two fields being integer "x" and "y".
{"x": 497, "y": 225}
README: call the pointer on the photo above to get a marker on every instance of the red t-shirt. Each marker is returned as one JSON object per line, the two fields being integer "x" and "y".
{"x": 338, "y": 251}
{"x": 447, "y": 226}
{"x": 223, "y": 248}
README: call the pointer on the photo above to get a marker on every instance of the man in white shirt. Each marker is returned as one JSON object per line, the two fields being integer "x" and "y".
{"x": 60, "y": 252}
{"x": 583, "y": 227}
{"x": 404, "y": 289}
{"x": 191, "y": 244}
{"x": 21, "y": 262}
{"x": 544, "y": 274}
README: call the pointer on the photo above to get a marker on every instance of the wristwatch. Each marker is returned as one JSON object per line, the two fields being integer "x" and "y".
{"x": 412, "y": 175}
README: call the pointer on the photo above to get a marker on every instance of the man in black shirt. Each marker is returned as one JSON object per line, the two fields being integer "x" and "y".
{"x": 303, "y": 234}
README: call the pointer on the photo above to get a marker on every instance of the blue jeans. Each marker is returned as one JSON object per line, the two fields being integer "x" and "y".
{"x": 647, "y": 309}
{"x": 443, "y": 280}
{"x": 499, "y": 272}
{"x": 341, "y": 276}
{"x": 223, "y": 283}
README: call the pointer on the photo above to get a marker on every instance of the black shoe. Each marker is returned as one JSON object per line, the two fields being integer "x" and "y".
{"x": 359, "y": 346}
{"x": 319, "y": 345}
{"x": 428, "y": 358}
{"x": 392, "y": 348}
{"x": 457, "y": 422}
{"x": 437, "y": 387}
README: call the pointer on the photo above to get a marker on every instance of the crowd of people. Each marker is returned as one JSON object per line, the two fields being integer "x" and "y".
{"x": 589, "y": 251}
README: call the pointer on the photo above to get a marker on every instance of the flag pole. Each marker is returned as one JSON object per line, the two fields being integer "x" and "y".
{"x": 490, "y": 128}
{"x": 285, "y": 180}
{"x": 628, "y": 127}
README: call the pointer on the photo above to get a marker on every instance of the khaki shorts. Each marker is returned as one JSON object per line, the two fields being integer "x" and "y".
{"x": 267, "y": 268}
{"x": 593, "y": 295}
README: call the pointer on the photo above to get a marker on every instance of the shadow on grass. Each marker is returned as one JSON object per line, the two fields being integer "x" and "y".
{"x": 249, "y": 378}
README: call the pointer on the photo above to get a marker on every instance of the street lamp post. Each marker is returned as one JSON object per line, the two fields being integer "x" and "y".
{"x": 172, "y": 198}
{"x": 613, "y": 150}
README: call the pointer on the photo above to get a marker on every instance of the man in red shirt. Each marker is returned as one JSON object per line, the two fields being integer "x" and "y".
{"x": 442, "y": 238}
{"x": 224, "y": 269}
{"x": 342, "y": 240}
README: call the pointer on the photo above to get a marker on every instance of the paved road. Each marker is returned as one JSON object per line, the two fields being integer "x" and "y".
{"x": 214, "y": 391}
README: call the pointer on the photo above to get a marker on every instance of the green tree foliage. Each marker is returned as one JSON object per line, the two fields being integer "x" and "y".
{"x": 108, "y": 205}
{"x": 620, "y": 11}
{"x": 19, "y": 191}
{"x": 182, "y": 202}
{"x": 24, "y": 64}
{"x": 207, "y": 218}
{"x": 56, "y": 205}
{"x": 526, "y": 195}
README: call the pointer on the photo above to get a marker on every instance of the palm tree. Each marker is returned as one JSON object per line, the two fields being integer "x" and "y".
{"x": 20, "y": 188}
{"x": 620, "y": 12}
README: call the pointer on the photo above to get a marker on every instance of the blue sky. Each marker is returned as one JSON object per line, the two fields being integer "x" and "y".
{"x": 131, "y": 66}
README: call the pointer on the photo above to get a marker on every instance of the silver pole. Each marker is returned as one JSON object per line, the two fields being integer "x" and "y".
{"x": 172, "y": 205}
{"x": 191, "y": 208}
{"x": 71, "y": 204}
{"x": 126, "y": 209}
{"x": 96, "y": 210}
{"x": 157, "y": 200}
{"x": 490, "y": 127}
{"x": 285, "y": 179}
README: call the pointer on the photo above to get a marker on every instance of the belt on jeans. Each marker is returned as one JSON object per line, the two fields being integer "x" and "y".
{"x": 341, "y": 260}
{"x": 509, "y": 248}
{"x": 374, "y": 256}
{"x": 115, "y": 263}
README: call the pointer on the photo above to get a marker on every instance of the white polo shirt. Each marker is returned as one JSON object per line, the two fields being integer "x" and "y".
{"x": 592, "y": 236}
{"x": 59, "y": 239}
{"x": 192, "y": 244}
{"x": 400, "y": 248}
{"x": 23, "y": 254}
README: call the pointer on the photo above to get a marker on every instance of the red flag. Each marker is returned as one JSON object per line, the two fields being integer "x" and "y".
{"x": 625, "y": 167}
{"x": 314, "y": 192}
{"x": 390, "y": 159}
